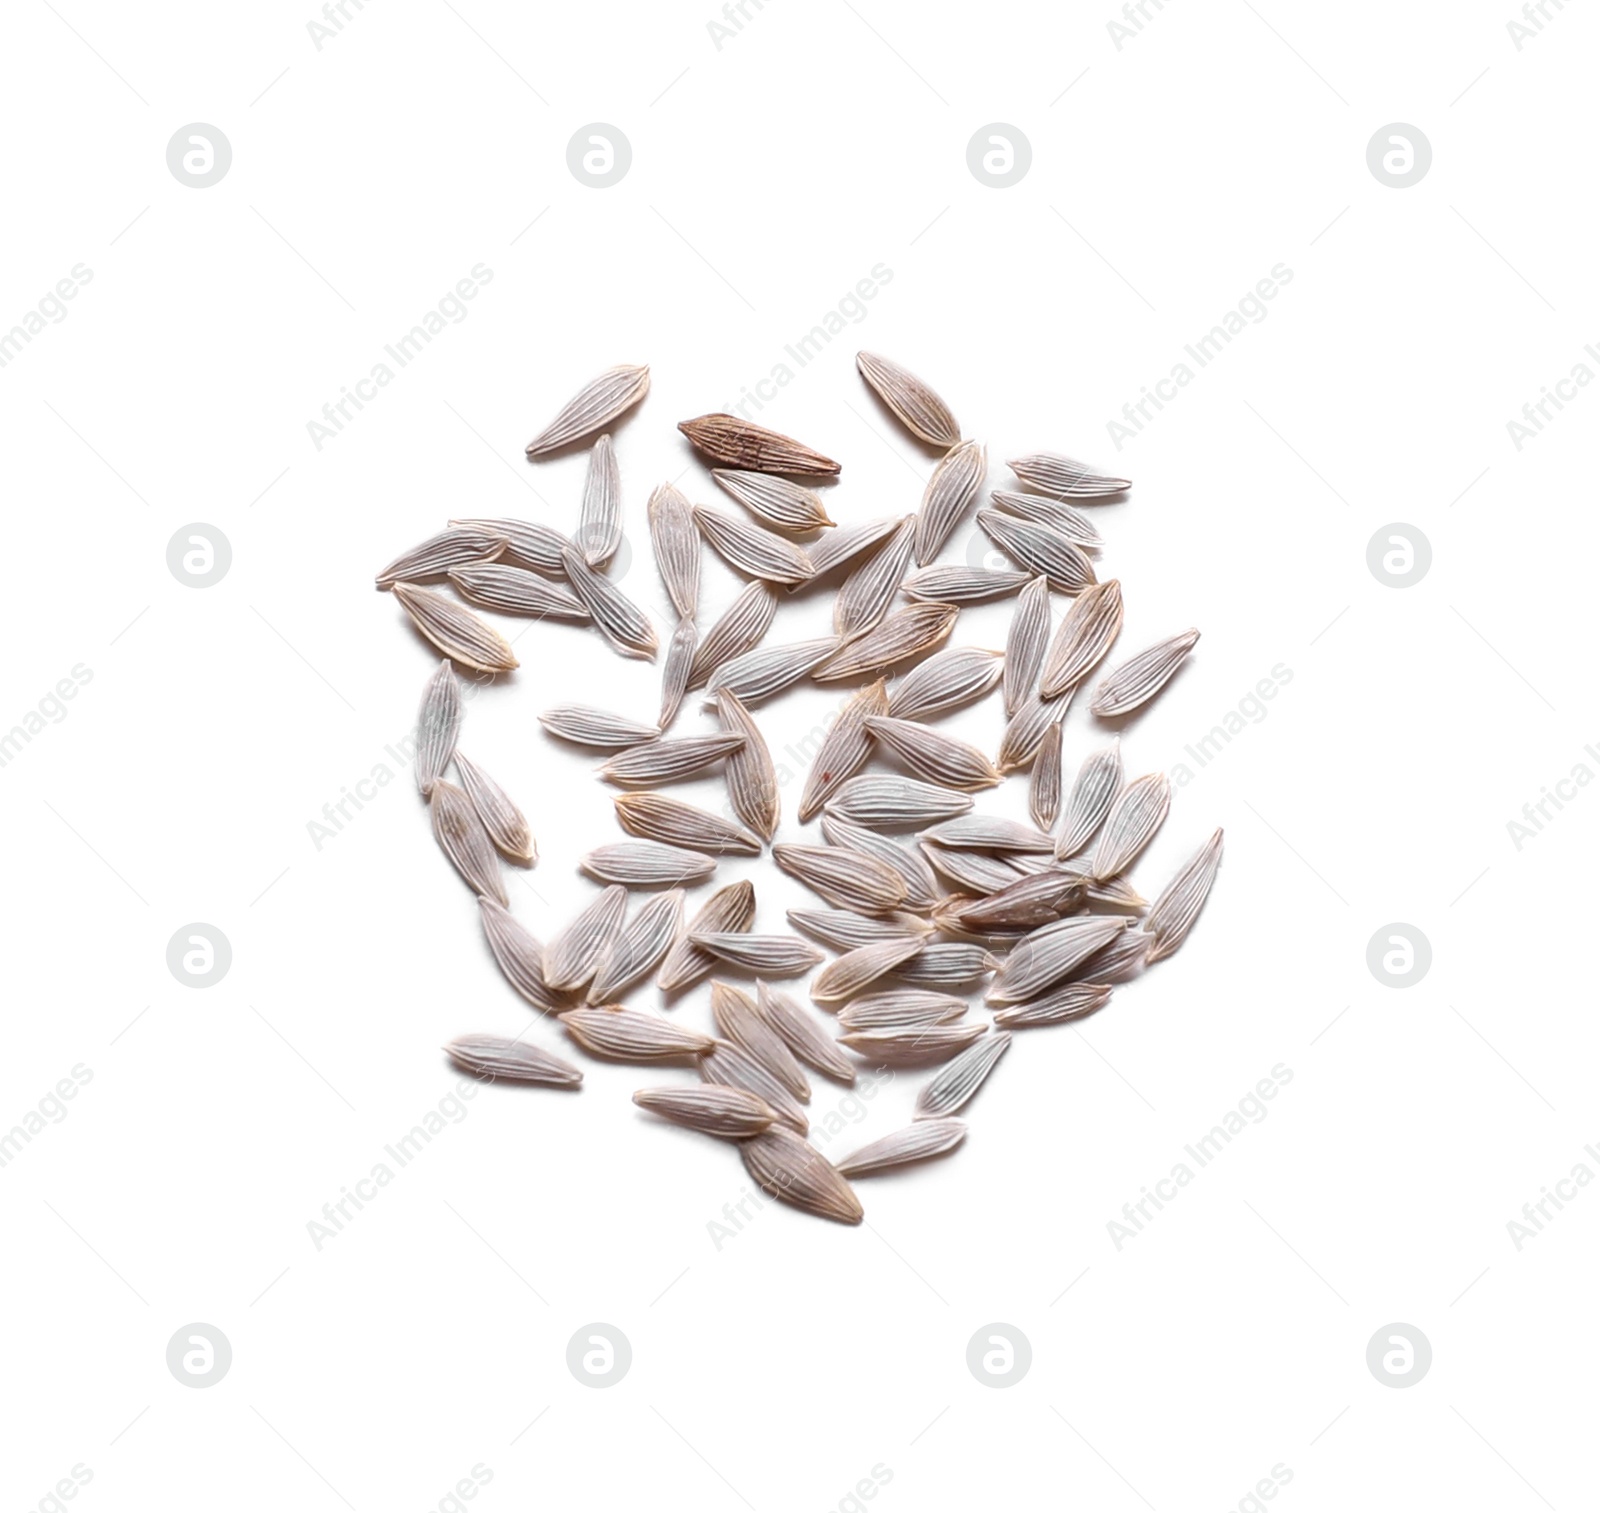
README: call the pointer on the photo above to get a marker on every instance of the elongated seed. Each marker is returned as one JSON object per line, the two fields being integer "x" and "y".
{"x": 518, "y": 954}
{"x": 737, "y": 1021}
{"x": 505, "y": 1060}
{"x": 785, "y": 1167}
{"x": 506, "y": 824}
{"x": 1044, "y": 783}
{"x": 628, "y": 1035}
{"x": 1026, "y": 642}
{"x": 1173, "y": 914}
{"x": 914, "y": 404}
{"x": 803, "y": 1035}
{"x": 844, "y": 929}
{"x": 919, "y": 1141}
{"x": 455, "y": 630}
{"x": 647, "y": 864}
{"x": 933, "y": 756}
{"x": 765, "y": 955}
{"x": 974, "y": 870}
{"x": 951, "y": 490}
{"x": 438, "y": 725}
{"x": 1022, "y": 905}
{"x": 774, "y": 501}
{"x": 1094, "y": 790}
{"x": 847, "y": 975}
{"x": 592, "y": 408}
{"x": 989, "y": 832}
{"x": 730, "y": 908}
{"x": 955, "y": 1085}
{"x": 889, "y": 801}
{"x": 729, "y": 1065}
{"x": 1092, "y": 622}
{"x": 675, "y": 670}
{"x": 600, "y": 519}
{"x": 1071, "y": 1001}
{"x": 516, "y": 591}
{"x": 738, "y": 444}
{"x": 1134, "y": 819}
{"x": 1054, "y": 474}
{"x": 638, "y": 946}
{"x": 913, "y": 1045}
{"x": 752, "y": 549}
{"x": 528, "y": 543}
{"x": 665, "y": 760}
{"x": 1039, "y": 549}
{"x": 728, "y": 1112}
{"x": 844, "y": 750}
{"x": 677, "y": 548}
{"x": 963, "y": 585}
{"x": 1071, "y": 523}
{"x": 1046, "y": 956}
{"x": 621, "y": 621}
{"x": 847, "y": 541}
{"x": 1120, "y": 959}
{"x": 740, "y": 628}
{"x": 1025, "y": 729}
{"x": 575, "y": 953}
{"x": 900, "y": 1007}
{"x": 751, "y": 776}
{"x": 922, "y": 887}
{"x": 1142, "y": 677}
{"x": 865, "y": 596}
{"x": 660, "y": 817}
{"x": 947, "y": 964}
{"x": 595, "y": 727}
{"x": 438, "y": 554}
{"x": 463, "y": 839}
{"x": 844, "y": 878}
{"x": 768, "y": 670}
{"x": 909, "y": 632}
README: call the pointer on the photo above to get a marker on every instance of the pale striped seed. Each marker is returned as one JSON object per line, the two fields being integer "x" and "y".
{"x": 675, "y": 670}
{"x": 920, "y": 1141}
{"x": 767, "y": 670}
{"x": 592, "y": 408}
{"x": 463, "y": 839}
{"x": 739, "y": 444}
{"x": 1022, "y": 905}
{"x": 730, "y": 908}
{"x": 621, "y": 621}
{"x": 802, "y": 1035}
{"x": 589, "y": 726}
{"x": 1044, "y": 782}
{"x": 628, "y": 1035}
{"x": 647, "y": 864}
{"x": 947, "y": 964}
{"x": 506, "y": 824}
{"x": 438, "y": 725}
{"x": 1111, "y": 892}
{"x": 963, "y": 585}
{"x": 518, "y": 954}
{"x": 1071, "y": 523}
{"x": 889, "y": 801}
{"x": 737, "y": 1021}
{"x": 1040, "y": 550}
{"x": 665, "y": 760}
{"x": 1072, "y": 1001}
{"x": 847, "y": 541}
{"x": 989, "y": 832}
{"x": 1026, "y": 641}
{"x": 913, "y": 1045}
{"x": 516, "y": 591}
{"x": 922, "y": 887}
{"x": 944, "y": 682}
{"x": 914, "y": 404}
{"x": 455, "y": 630}
{"x": 844, "y": 749}
{"x": 1094, "y": 790}
{"x": 728, "y": 1065}
{"x": 1173, "y": 914}
{"x": 844, "y": 878}
{"x": 1046, "y": 956}
{"x": 434, "y": 557}
{"x": 955, "y": 1085}
{"x": 1142, "y": 677}
{"x": 933, "y": 756}
{"x": 973, "y": 870}
{"x": 847, "y": 975}
{"x": 751, "y": 549}
{"x": 775, "y": 502}
{"x": 865, "y": 596}
{"x": 528, "y": 543}
{"x": 727, "y": 1112}
{"x": 765, "y": 955}
{"x": 504, "y": 1060}
{"x": 676, "y": 544}
{"x": 1060, "y": 476}
{"x": 950, "y": 491}
{"x": 738, "y": 630}
{"x": 1092, "y": 622}
{"x": 1025, "y": 729}
{"x": 844, "y": 929}
{"x": 660, "y": 817}
{"x": 751, "y": 777}
{"x": 1134, "y": 819}
{"x": 785, "y": 1167}
{"x": 1121, "y": 959}
{"x": 600, "y": 519}
{"x": 575, "y": 953}
{"x": 913, "y": 631}
{"x": 896, "y": 1008}
{"x": 639, "y": 945}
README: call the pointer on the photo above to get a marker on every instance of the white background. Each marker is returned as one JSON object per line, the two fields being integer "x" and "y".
{"x": 768, "y": 176}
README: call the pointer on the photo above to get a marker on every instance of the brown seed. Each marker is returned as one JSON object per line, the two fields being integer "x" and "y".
{"x": 738, "y": 444}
